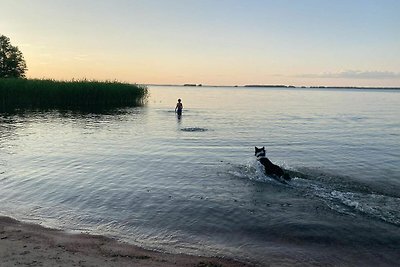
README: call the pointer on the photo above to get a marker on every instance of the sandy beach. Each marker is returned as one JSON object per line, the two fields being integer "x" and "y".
{"x": 23, "y": 244}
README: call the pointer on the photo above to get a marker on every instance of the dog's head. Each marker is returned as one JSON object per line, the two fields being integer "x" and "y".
{"x": 259, "y": 152}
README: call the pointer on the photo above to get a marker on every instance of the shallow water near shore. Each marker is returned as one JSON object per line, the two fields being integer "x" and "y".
{"x": 192, "y": 184}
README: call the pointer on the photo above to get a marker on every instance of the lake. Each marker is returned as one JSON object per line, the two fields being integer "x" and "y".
{"x": 192, "y": 184}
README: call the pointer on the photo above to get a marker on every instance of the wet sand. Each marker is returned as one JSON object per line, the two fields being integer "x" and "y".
{"x": 23, "y": 244}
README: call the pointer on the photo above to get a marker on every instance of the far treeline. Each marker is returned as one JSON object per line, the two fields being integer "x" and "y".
{"x": 18, "y": 92}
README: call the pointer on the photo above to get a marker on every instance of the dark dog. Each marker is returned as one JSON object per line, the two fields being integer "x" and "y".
{"x": 270, "y": 168}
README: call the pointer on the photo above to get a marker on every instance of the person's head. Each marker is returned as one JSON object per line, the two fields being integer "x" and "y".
{"x": 179, "y": 100}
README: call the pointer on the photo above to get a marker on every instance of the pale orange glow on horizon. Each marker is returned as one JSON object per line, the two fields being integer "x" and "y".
{"x": 207, "y": 43}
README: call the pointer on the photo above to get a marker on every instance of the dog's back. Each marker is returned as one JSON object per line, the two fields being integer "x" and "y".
{"x": 270, "y": 168}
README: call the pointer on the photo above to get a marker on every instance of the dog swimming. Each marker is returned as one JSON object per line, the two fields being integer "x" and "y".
{"x": 271, "y": 169}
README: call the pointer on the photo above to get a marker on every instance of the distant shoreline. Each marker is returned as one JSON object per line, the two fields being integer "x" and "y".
{"x": 282, "y": 86}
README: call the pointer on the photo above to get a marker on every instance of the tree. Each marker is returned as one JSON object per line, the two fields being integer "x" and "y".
{"x": 12, "y": 62}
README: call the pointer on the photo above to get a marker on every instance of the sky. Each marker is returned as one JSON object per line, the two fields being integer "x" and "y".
{"x": 210, "y": 42}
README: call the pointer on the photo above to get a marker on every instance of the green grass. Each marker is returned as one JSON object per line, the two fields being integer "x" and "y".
{"x": 34, "y": 93}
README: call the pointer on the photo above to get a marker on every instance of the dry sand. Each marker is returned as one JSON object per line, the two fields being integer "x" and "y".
{"x": 24, "y": 244}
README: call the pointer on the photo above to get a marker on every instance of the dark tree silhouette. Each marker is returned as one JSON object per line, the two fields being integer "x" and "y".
{"x": 12, "y": 62}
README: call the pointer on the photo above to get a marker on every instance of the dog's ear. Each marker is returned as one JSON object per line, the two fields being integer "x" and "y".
{"x": 263, "y": 148}
{"x": 255, "y": 148}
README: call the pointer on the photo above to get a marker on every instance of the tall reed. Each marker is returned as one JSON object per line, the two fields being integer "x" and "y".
{"x": 36, "y": 93}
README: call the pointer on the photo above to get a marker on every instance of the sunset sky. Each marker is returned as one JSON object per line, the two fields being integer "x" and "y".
{"x": 217, "y": 42}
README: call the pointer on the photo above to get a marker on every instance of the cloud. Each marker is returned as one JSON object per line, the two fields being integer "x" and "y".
{"x": 355, "y": 74}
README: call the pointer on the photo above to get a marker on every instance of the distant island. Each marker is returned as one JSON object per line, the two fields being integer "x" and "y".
{"x": 281, "y": 86}
{"x": 192, "y": 84}
{"x": 270, "y": 85}
{"x": 320, "y": 87}
{"x": 353, "y": 87}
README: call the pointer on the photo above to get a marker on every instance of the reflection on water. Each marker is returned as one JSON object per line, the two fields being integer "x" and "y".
{"x": 192, "y": 184}
{"x": 193, "y": 129}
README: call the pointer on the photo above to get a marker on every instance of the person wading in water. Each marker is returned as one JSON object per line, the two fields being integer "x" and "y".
{"x": 179, "y": 107}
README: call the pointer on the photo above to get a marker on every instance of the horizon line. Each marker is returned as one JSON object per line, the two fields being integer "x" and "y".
{"x": 276, "y": 86}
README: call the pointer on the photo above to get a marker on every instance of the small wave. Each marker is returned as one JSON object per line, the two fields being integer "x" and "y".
{"x": 379, "y": 206}
{"x": 194, "y": 129}
{"x": 254, "y": 171}
{"x": 351, "y": 198}
{"x": 344, "y": 200}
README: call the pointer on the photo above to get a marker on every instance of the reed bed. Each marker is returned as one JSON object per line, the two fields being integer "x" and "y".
{"x": 36, "y": 93}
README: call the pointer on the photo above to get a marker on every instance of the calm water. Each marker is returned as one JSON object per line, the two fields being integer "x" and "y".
{"x": 192, "y": 185}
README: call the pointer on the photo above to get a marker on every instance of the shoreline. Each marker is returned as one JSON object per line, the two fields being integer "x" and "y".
{"x": 29, "y": 244}
{"x": 281, "y": 86}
